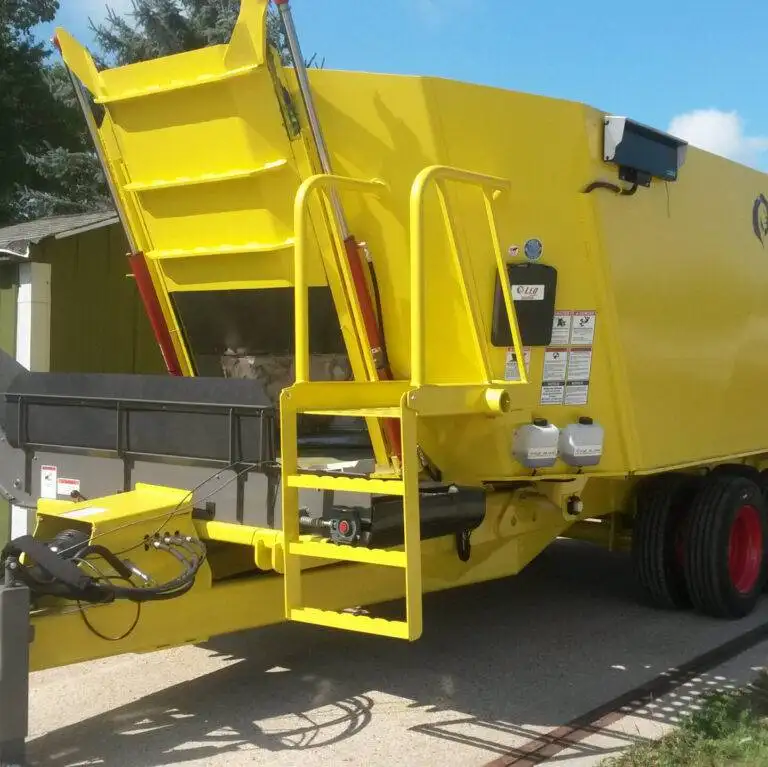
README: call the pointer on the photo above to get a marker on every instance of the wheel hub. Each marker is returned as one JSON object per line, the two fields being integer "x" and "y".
{"x": 745, "y": 549}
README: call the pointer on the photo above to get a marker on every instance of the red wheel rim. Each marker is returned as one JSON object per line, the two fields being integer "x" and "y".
{"x": 745, "y": 549}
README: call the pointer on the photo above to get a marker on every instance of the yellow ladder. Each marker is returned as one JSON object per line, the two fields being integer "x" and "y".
{"x": 372, "y": 400}
{"x": 362, "y": 400}
{"x": 376, "y": 400}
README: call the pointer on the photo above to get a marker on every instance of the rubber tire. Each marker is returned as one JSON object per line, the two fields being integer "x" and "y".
{"x": 662, "y": 506}
{"x": 760, "y": 477}
{"x": 706, "y": 546}
{"x": 736, "y": 469}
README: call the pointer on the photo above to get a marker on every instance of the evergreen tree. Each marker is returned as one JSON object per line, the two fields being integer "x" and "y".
{"x": 47, "y": 162}
{"x": 156, "y": 28}
{"x": 39, "y": 134}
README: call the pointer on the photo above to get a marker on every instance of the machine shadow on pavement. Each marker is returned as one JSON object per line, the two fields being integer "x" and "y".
{"x": 493, "y": 669}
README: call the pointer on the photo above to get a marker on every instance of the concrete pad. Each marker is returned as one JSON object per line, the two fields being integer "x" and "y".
{"x": 500, "y": 665}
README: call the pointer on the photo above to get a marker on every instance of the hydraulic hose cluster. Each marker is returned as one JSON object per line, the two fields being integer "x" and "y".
{"x": 58, "y": 568}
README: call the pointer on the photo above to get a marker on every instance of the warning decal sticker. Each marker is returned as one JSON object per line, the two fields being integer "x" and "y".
{"x": 48, "y": 475}
{"x": 577, "y": 383}
{"x": 555, "y": 365}
{"x": 511, "y": 368}
{"x": 67, "y": 486}
{"x": 576, "y": 393}
{"x": 579, "y": 364}
{"x": 583, "y": 328}
{"x": 552, "y": 394}
{"x": 567, "y": 365}
{"x": 554, "y": 376}
{"x": 561, "y": 328}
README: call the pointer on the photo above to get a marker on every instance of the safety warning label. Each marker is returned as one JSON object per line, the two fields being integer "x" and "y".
{"x": 48, "y": 475}
{"x": 561, "y": 328}
{"x": 555, "y": 365}
{"x": 554, "y": 376}
{"x": 579, "y": 364}
{"x": 577, "y": 382}
{"x": 583, "y": 328}
{"x": 511, "y": 367}
{"x": 552, "y": 393}
{"x": 565, "y": 379}
{"x": 67, "y": 486}
{"x": 576, "y": 392}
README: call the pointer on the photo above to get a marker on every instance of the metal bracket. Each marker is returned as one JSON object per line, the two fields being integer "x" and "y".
{"x": 15, "y": 637}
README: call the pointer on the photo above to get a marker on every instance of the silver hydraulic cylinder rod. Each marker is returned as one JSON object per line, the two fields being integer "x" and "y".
{"x": 284, "y": 7}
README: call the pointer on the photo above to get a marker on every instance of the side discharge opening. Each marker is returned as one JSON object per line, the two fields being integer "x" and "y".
{"x": 249, "y": 334}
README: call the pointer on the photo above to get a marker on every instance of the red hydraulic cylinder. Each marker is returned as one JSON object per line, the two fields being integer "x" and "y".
{"x": 391, "y": 426}
{"x": 154, "y": 312}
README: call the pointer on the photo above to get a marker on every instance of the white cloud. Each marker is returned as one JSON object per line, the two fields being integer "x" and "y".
{"x": 721, "y": 133}
{"x": 433, "y": 12}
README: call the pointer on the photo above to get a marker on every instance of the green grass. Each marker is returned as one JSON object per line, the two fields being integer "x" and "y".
{"x": 730, "y": 730}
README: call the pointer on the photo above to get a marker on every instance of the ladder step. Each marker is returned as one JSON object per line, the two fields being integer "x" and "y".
{"x": 325, "y": 550}
{"x": 205, "y": 178}
{"x": 360, "y": 623}
{"x": 175, "y": 85}
{"x": 223, "y": 250}
{"x": 346, "y": 484}
{"x": 361, "y": 412}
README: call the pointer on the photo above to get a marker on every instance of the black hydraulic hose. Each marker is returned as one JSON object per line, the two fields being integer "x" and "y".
{"x": 612, "y": 187}
{"x": 106, "y": 554}
{"x": 96, "y": 592}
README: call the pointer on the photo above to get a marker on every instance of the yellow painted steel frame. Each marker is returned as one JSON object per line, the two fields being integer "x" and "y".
{"x": 517, "y": 531}
{"x": 518, "y": 525}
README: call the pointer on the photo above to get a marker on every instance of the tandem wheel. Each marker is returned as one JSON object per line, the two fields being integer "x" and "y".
{"x": 658, "y": 535}
{"x": 701, "y": 542}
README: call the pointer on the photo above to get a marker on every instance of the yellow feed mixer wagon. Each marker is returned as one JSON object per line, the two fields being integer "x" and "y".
{"x": 416, "y": 330}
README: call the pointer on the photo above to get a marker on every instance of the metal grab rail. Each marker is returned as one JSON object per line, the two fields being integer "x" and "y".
{"x": 488, "y": 184}
{"x": 323, "y": 183}
{"x": 491, "y": 186}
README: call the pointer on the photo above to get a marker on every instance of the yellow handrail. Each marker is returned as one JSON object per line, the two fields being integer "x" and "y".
{"x": 439, "y": 174}
{"x": 323, "y": 182}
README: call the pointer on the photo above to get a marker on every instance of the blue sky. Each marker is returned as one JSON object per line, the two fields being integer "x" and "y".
{"x": 696, "y": 68}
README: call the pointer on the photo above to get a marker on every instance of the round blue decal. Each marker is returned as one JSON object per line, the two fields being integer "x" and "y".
{"x": 533, "y": 249}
